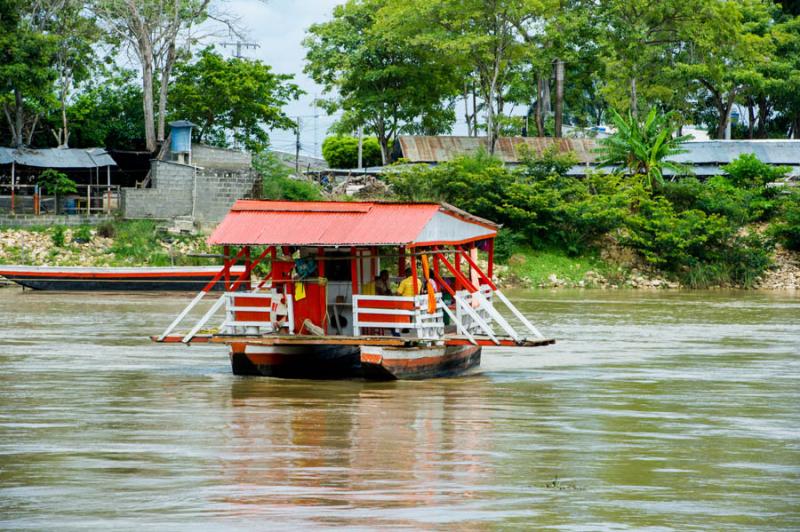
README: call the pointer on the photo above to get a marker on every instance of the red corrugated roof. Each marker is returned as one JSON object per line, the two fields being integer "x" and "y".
{"x": 322, "y": 223}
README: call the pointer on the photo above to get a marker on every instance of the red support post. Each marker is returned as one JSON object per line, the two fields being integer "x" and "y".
{"x": 401, "y": 264}
{"x": 457, "y": 261}
{"x": 248, "y": 268}
{"x": 481, "y": 275}
{"x": 354, "y": 269}
{"x": 490, "y": 273}
{"x": 321, "y": 261}
{"x": 226, "y": 250}
{"x": 460, "y": 279}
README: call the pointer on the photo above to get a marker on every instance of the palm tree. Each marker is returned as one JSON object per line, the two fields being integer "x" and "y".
{"x": 644, "y": 147}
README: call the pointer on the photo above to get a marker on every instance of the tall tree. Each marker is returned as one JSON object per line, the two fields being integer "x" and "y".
{"x": 722, "y": 57}
{"x": 26, "y": 71}
{"x": 238, "y": 97}
{"x": 639, "y": 38}
{"x": 75, "y": 55}
{"x": 476, "y": 35}
{"x": 151, "y": 28}
{"x": 378, "y": 79}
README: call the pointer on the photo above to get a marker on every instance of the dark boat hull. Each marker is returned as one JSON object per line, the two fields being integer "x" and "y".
{"x": 343, "y": 362}
{"x": 109, "y": 280}
{"x": 117, "y": 284}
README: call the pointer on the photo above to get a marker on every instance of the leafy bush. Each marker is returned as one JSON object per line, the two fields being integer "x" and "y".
{"x": 59, "y": 236}
{"x": 746, "y": 171}
{"x": 137, "y": 242}
{"x": 82, "y": 234}
{"x": 277, "y": 183}
{"x": 342, "y": 152}
{"x": 786, "y": 227}
{"x": 56, "y": 183}
{"x": 106, "y": 229}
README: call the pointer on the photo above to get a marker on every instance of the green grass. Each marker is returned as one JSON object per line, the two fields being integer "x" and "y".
{"x": 535, "y": 267}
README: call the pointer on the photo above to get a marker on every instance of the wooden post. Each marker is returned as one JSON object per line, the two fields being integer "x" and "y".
{"x": 36, "y": 209}
{"x": 108, "y": 188}
{"x": 490, "y": 267}
{"x": 89, "y": 195}
{"x": 13, "y": 184}
{"x": 354, "y": 269}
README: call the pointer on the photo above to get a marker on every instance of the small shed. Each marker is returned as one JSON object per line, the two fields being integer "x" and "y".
{"x": 20, "y": 168}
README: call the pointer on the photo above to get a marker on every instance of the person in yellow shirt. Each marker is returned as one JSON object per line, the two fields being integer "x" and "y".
{"x": 406, "y": 287}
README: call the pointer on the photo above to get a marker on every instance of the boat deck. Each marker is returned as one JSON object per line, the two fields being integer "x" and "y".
{"x": 285, "y": 339}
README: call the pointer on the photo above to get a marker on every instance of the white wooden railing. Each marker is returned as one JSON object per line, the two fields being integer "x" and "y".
{"x": 253, "y": 313}
{"x": 397, "y": 313}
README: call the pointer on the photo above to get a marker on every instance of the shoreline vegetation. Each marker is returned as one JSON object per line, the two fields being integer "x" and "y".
{"x": 147, "y": 243}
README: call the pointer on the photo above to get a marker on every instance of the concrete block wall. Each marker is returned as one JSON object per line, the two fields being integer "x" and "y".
{"x": 47, "y": 220}
{"x": 209, "y": 157}
{"x": 174, "y": 193}
{"x": 218, "y": 190}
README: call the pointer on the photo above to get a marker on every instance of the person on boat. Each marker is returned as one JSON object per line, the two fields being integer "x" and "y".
{"x": 382, "y": 287}
{"x": 406, "y": 287}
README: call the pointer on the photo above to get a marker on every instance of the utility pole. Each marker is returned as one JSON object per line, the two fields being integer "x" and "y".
{"x": 297, "y": 149}
{"x": 360, "y": 146}
{"x": 239, "y": 45}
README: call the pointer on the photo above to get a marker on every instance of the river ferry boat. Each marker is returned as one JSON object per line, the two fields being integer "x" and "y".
{"x": 322, "y": 309}
{"x": 118, "y": 279}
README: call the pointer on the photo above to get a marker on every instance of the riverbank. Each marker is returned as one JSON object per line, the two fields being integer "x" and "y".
{"x": 614, "y": 269}
{"x": 117, "y": 243}
{"x": 145, "y": 243}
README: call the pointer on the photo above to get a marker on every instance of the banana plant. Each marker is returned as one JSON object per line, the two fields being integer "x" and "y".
{"x": 644, "y": 148}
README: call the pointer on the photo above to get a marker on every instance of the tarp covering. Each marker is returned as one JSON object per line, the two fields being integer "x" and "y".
{"x": 319, "y": 223}
{"x": 57, "y": 157}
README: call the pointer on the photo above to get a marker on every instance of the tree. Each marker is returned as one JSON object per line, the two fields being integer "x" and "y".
{"x": 721, "y": 58}
{"x": 376, "y": 77}
{"x": 238, "y": 96}
{"x": 56, "y": 183}
{"x": 26, "y": 72}
{"x": 342, "y": 152}
{"x": 643, "y": 146}
{"x": 108, "y": 113}
{"x": 474, "y": 35}
{"x": 639, "y": 38}
{"x": 74, "y": 56}
{"x": 151, "y": 28}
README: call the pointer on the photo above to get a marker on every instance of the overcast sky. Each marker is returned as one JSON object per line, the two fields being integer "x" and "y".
{"x": 279, "y": 27}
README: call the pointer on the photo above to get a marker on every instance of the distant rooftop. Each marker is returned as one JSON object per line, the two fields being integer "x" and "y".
{"x": 57, "y": 157}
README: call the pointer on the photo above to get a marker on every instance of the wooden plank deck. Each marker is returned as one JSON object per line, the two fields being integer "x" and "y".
{"x": 283, "y": 339}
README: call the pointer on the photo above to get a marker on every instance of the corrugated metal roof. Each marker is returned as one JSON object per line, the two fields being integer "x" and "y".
{"x": 436, "y": 149}
{"x": 428, "y": 149}
{"x": 57, "y": 157}
{"x": 335, "y": 223}
{"x": 725, "y": 151}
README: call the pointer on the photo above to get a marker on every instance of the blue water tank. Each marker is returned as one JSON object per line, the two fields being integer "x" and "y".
{"x": 181, "y": 133}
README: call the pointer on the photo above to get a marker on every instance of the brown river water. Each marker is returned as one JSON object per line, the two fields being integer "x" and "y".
{"x": 656, "y": 410}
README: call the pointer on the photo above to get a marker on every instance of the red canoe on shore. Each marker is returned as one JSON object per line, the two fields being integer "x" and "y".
{"x": 173, "y": 278}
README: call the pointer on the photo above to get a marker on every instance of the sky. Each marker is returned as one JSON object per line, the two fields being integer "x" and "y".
{"x": 279, "y": 27}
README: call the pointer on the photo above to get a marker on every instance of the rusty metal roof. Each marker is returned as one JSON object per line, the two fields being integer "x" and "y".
{"x": 422, "y": 149}
{"x": 320, "y": 223}
{"x": 436, "y": 149}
